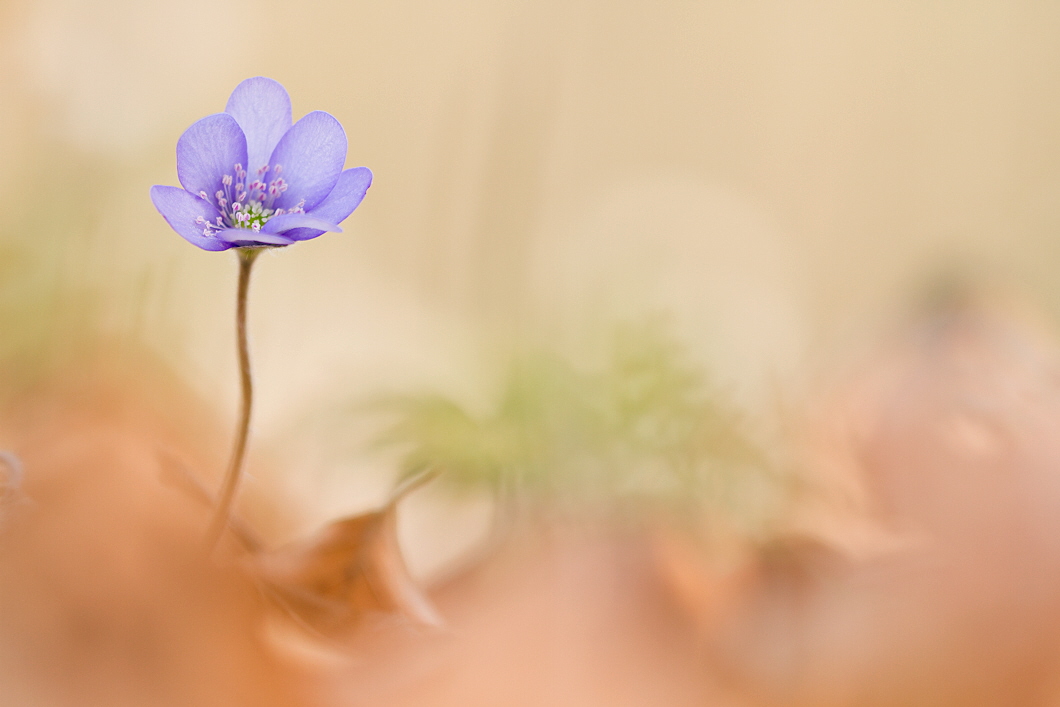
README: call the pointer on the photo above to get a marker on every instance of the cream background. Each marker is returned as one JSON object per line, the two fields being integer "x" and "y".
{"x": 776, "y": 175}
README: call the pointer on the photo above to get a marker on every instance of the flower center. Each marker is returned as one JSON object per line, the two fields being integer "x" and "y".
{"x": 247, "y": 205}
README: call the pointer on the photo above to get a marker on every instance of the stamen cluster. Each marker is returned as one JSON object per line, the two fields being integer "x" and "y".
{"x": 245, "y": 205}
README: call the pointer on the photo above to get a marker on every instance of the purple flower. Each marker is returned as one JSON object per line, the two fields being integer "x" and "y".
{"x": 251, "y": 178}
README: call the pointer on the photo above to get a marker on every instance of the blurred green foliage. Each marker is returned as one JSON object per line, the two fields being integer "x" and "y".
{"x": 51, "y": 300}
{"x": 644, "y": 425}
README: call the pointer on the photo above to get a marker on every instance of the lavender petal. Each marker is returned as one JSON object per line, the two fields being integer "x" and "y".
{"x": 347, "y": 195}
{"x": 180, "y": 209}
{"x": 208, "y": 150}
{"x": 340, "y": 203}
{"x": 262, "y": 108}
{"x": 311, "y": 155}
{"x": 285, "y": 222}
{"x": 242, "y": 237}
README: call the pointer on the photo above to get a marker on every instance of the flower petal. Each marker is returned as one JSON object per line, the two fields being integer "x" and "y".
{"x": 208, "y": 150}
{"x": 181, "y": 209}
{"x": 303, "y": 234}
{"x": 311, "y": 154}
{"x": 243, "y": 237}
{"x": 262, "y": 108}
{"x": 285, "y": 222}
{"x": 340, "y": 203}
{"x": 347, "y": 195}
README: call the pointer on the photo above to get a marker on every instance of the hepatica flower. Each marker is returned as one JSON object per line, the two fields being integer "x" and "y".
{"x": 253, "y": 180}
{"x": 250, "y": 178}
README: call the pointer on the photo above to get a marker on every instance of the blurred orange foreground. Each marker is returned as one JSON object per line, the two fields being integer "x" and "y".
{"x": 920, "y": 565}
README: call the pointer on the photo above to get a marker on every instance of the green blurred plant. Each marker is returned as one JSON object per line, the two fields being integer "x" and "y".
{"x": 644, "y": 425}
{"x": 50, "y": 309}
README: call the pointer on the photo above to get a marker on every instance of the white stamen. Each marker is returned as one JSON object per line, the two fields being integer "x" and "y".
{"x": 247, "y": 204}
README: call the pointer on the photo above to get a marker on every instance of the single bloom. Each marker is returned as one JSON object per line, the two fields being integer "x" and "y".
{"x": 251, "y": 178}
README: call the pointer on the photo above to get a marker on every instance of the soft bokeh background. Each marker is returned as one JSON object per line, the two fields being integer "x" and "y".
{"x": 773, "y": 177}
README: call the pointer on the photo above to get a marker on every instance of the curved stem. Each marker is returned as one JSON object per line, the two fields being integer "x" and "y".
{"x": 235, "y": 464}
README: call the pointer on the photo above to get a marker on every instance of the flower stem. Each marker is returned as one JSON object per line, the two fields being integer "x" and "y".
{"x": 235, "y": 464}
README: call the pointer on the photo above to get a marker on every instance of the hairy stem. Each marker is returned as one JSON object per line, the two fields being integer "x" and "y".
{"x": 239, "y": 448}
